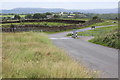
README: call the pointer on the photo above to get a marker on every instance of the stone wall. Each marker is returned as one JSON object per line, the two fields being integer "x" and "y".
{"x": 47, "y": 20}
{"x": 35, "y": 27}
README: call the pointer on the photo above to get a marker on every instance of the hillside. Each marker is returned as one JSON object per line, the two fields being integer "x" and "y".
{"x": 43, "y": 10}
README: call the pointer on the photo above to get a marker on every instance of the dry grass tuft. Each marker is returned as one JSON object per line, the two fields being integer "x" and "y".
{"x": 32, "y": 55}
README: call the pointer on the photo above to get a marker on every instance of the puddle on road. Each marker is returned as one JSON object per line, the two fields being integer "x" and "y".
{"x": 85, "y": 38}
{"x": 60, "y": 38}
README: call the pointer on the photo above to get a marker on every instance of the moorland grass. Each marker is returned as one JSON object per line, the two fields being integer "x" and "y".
{"x": 32, "y": 55}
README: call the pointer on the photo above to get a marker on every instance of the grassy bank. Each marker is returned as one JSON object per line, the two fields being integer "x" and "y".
{"x": 106, "y": 36}
{"x": 110, "y": 39}
{"x": 32, "y": 55}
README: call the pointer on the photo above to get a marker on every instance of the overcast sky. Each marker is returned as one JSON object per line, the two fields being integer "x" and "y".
{"x": 66, "y": 4}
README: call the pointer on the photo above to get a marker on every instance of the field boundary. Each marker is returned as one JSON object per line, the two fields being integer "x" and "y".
{"x": 47, "y": 20}
{"x": 36, "y": 27}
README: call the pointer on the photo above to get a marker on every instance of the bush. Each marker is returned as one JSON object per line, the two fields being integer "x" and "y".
{"x": 17, "y": 17}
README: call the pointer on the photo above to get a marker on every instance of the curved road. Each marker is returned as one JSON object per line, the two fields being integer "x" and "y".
{"x": 95, "y": 57}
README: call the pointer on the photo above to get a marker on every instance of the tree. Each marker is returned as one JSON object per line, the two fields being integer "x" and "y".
{"x": 39, "y": 16}
{"x": 36, "y": 16}
{"x": 76, "y": 16}
{"x": 28, "y": 16}
{"x": 47, "y": 13}
{"x": 17, "y": 17}
{"x": 95, "y": 17}
{"x": 56, "y": 16}
{"x": 76, "y": 13}
{"x": 116, "y": 18}
{"x": 65, "y": 12}
{"x": 43, "y": 16}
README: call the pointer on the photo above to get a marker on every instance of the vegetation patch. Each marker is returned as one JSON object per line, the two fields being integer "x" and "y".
{"x": 106, "y": 22}
{"x": 110, "y": 39}
{"x": 11, "y": 15}
{"x": 41, "y": 23}
{"x": 32, "y": 55}
{"x": 84, "y": 19}
{"x": 97, "y": 31}
{"x": 106, "y": 36}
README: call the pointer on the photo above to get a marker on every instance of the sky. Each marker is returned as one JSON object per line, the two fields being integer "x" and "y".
{"x": 66, "y": 4}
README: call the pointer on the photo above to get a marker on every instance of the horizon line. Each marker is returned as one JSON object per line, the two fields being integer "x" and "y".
{"x": 59, "y": 8}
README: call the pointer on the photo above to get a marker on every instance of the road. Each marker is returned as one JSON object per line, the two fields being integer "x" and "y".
{"x": 93, "y": 56}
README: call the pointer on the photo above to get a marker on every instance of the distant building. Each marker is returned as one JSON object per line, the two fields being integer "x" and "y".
{"x": 61, "y": 13}
{"x": 12, "y": 17}
{"x": 71, "y": 15}
{"x": 49, "y": 16}
{"x": 82, "y": 15}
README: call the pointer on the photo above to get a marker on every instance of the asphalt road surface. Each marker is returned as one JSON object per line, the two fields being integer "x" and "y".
{"x": 93, "y": 56}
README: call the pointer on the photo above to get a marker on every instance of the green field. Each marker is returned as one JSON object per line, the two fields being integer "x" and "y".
{"x": 32, "y": 55}
{"x": 106, "y": 22}
{"x": 84, "y": 19}
{"x": 98, "y": 31}
{"x": 11, "y": 15}
{"x": 41, "y": 23}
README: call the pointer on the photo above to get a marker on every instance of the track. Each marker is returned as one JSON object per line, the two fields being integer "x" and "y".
{"x": 95, "y": 57}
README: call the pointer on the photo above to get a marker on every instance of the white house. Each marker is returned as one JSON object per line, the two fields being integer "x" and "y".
{"x": 50, "y": 16}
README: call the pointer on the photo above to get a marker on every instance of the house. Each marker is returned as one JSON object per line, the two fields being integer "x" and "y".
{"x": 61, "y": 13}
{"x": 50, "y": 16}
{"x": 12, "y": 17}
{"x": 71, "y": 15}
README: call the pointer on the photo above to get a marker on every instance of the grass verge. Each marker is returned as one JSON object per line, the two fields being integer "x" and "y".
{"x": 110, "y": 39}
{"x": 32, "y": 55}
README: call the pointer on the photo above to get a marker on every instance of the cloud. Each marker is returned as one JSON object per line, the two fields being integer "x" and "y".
{"x": 59, "y": 0}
